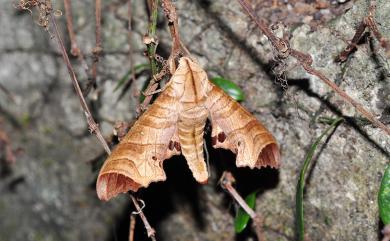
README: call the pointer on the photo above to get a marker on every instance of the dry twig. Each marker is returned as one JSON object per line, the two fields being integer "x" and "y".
{"x": 93, "y": 126}
{"x": 97, "y": 51}
{"x": 129, "y": 34}
{"x": 283, "y": 49}
{"x": 75, "y": 50}
{"x": 150, "y": 231}
{"x": 370, "y": 23}
{"x": 227, "y": 181}
{"x": 150, "y": 39}
{"x": 132, "y": 227}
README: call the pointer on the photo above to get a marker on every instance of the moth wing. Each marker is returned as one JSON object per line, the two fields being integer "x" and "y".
{"x": 234, "y": 128}
{"x": 138, "y": 158}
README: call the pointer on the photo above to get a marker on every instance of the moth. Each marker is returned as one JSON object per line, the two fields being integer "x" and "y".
{"x": 174, "y": 124}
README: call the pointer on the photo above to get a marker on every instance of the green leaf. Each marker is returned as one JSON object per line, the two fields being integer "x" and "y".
{"x": 229, "y": 87}
{"x": 137, "y": 69}
{"x": 384, "y": 197}
{"x": 301, "y": 181}
{"x": 242, "y": 218}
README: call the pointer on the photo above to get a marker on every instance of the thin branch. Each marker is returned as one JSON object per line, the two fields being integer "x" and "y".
{"x": 370, "y": 23}
{"x": 150, "y": 231}
{"x": 170, "y": 13}
{"x": 75, "y": 50}
{"x": 129, "y": 35}
{"x": 93, "y": 126}
{"x": 227, "y": 181}
{"x": 132, "y": 227}
{"x": 150, "y": 39}
{"x": 97, "y": 51}
{"x": 283, "y": 49}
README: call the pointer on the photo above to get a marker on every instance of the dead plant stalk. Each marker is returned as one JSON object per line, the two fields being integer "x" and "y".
{"x": 93, "y": 126}
{"x": 282, "y": 46}
{"x": 227, "y": 181}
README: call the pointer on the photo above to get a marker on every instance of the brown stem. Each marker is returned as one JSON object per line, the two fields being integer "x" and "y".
{"x": 227, "y": 181}
{"x": 93, "y": 126}
{"x": 97, "y": 51}
{"x": 170, "y": 13}
{"x": 132, "y": 227}
{"x": 370, "y": 23}
{"x": 75, "y": 50}
{"x": 150, "y": 231}
{"x": 151, "y": 45}
{"x": 359, "y": 107}
{"x": 284, "y": 50}
{"x": 352, "y": 46}
{"x": 129, "y": 34}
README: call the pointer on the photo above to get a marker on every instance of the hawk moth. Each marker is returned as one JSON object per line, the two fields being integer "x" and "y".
{"x": 174, "y": 124}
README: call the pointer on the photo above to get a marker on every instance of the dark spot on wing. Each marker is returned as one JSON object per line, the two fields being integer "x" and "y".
{"x": 221, "y": 137}
{"x": 171, "y": 145}
{"x": 177, "y": 146}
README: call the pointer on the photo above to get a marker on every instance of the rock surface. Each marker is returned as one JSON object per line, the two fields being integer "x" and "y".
{"x": 48, "y": 194}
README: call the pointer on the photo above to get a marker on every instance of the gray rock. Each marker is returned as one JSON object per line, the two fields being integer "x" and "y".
{"x": 48, "y": 194}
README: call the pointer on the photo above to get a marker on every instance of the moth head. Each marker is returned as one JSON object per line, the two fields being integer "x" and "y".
{"x": 189, "y": 81}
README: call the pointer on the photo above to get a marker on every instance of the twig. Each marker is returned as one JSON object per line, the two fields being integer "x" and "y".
{"x": 129, "y": 34}
{"x": 97, "y": 51}
{"x": 151, "y": 42}
{"x": 150, "y": 231}
{"x": 170, "y": 13}
{"x": 93, "y": 126}
{"x": 370, "y": 23}
{"x": 227, "y": 181}
{"x": 75, "y": 50}
{"x": 283, "y": 49}
{"x": 132, "y": 227}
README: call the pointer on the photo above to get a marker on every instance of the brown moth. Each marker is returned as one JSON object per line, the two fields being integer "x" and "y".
{"x": 174, "y": 124}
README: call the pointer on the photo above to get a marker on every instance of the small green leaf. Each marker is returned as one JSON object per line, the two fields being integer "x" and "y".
{"x": 384, "y": 197}
{"x": 137, "y": 69}
{"x": 242, "y": 218}
{"x": 301, "y": 181}
{"x": 229, "y": 87}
